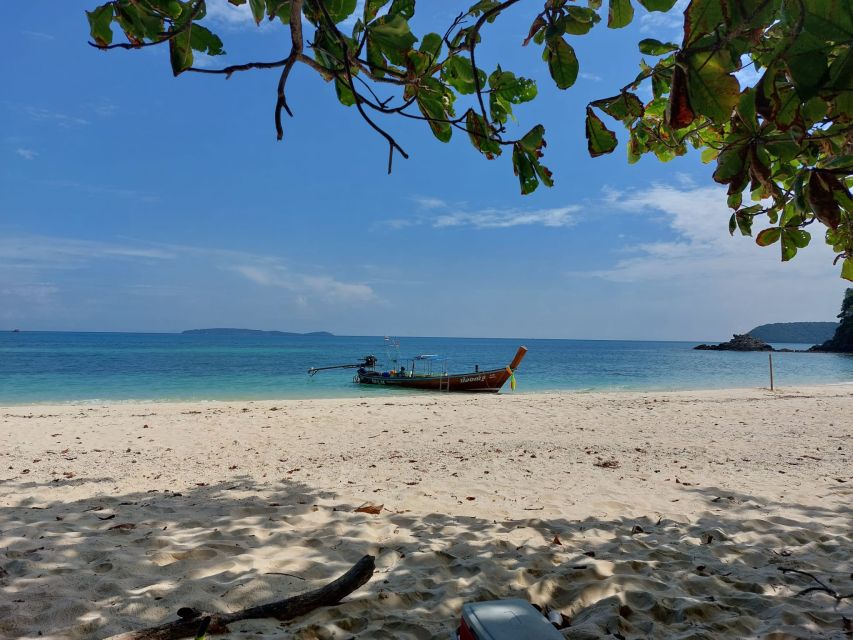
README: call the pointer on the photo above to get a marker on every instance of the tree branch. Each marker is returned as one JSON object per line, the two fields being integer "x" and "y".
{"x": 295, "y": 50}
{"x": 168, "y": 35}
{"x": 392, "y": 143}
{"x": 293, "y": 607}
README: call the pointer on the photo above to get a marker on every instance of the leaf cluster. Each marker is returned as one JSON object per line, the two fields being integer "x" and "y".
{"x": 782, "y": 143}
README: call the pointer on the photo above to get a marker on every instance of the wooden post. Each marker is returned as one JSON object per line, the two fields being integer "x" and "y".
{"x": 770, "y": 358}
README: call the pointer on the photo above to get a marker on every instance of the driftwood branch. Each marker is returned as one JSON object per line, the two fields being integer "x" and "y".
{"x": 192, "y": 620}
{"x": 823, "y": 588}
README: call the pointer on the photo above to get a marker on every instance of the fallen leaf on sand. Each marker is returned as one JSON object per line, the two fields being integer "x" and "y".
{"x": 470, "y": 498}
{"x": 606, "y": 464}
{"x": 373, "y": 509}
{"x": 123, "y": 525}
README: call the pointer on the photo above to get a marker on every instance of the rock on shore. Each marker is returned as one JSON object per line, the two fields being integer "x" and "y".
{"x": 739, "y": 342}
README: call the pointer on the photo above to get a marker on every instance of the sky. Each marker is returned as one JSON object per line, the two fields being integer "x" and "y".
{"x": 131, "y": 200}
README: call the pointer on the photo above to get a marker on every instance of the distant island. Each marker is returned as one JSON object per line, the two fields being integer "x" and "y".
{"x": 797, "y": 332}
{"x": 831, "y": 337}
{"x": 253, "y": 332}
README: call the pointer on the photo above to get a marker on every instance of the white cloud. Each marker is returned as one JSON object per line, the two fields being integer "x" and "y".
{"x": 426, "y": 202}
{"x": 61, "y": 119}
{"x": 665, "y": 25}
{"x": 100, "y": 189}
{"x": 591, "y": 77}
{"x": 702, "y": 250}
{"x": 35, "y": 252}
{"x": 279, "y": 276}
{"x": 38, "y": 35}
{"x": 37, "y": 293}
{"x": 440, "y": 214}
{"x": 224, "y": 12}
{"x": 240, "y": 17}
{"x": 504, "y": 218}
{"x": 26, "y": 154}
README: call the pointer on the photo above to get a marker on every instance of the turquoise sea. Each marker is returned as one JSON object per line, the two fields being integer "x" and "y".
{"x": 48, "y": 367}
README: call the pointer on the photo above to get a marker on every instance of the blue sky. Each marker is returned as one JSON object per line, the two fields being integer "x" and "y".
{"x": 134, "y": 201}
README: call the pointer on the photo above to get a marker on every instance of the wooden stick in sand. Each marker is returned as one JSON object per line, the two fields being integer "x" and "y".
{"x": 286, "y": 609}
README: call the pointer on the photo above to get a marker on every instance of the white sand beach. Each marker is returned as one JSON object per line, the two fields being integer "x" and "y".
{"x": 637, "y": 515}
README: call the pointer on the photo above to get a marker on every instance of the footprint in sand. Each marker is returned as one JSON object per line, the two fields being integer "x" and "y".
{"x": 194, "y": 554}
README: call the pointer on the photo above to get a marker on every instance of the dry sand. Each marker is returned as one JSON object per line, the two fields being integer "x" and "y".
{"x": 637, "y": 515}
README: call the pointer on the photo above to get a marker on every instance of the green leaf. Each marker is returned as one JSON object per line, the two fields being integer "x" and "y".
{"x": 793, "y": 239}
{"x": 768, "y": 236}
{"x": 620, "y": 14}
{"x": 847, "y": 269}
{"x": 435, "y": 102}
{"x": 480, "y": 135}
{"x": 744, "y": 223}
{"x": 525, "y": 161}
{"x": 138, "y": 23}
{"x": 653, "y": 47}
{"x": 507, "y": 90}
{"x": 393, "y": 37}
{"x": 405, "y": 8}
{"x": 731, "y": 165}
{"x": 713, "y": 91}
{"x": 701, "y": 18}
{"x": 562, "y": 62}
{"x": 523, "y": 168}
{"x": 657, "y": 5}
{"x": 100, "y": 24}
{"x": 345, "y": 95}
{"x": 829, "y": 19}
{"x": 534, "y": 140}
{"x": 259, "y": 10}
{"x": 180, "y": 51}
{"x": 202, "y": 39}
{"x": 708, "y": 154}
{"x": 459, "y": 74}
{"x": 339, "y": 10}
{"x": 625, "y": 107}
{"x": 372, "y": 7}
{"x": 431, "y": 45}
{"x": 807, "y": 61}
{"x": 599, "y": 138}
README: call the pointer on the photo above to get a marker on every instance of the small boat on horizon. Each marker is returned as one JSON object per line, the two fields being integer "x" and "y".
{"x": 429, "y": 372}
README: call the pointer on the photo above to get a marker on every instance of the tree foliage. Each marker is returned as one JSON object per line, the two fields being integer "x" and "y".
{"x": 782, "y": 144}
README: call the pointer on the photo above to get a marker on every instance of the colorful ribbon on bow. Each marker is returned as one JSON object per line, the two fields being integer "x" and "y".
{"x": 511, "y": 378}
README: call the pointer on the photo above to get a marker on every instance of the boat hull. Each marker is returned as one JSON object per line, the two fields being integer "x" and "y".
{"x": 477, "y": 382}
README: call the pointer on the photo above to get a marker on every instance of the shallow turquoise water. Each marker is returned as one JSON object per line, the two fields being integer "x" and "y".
{"x": 41, "y": 367}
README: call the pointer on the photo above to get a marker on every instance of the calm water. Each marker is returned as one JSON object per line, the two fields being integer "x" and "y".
{"x": 85, "y": 367}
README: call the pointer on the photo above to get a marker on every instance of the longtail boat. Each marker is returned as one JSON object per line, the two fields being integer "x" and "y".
{"x": 422, "y": 374}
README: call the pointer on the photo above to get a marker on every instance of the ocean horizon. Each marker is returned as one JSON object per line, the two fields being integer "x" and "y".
{"x": 44, "y": 367}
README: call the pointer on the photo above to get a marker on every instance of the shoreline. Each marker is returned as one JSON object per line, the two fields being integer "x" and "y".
{"x": 680, "y": 506}
{"x": 384, "y": 394}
